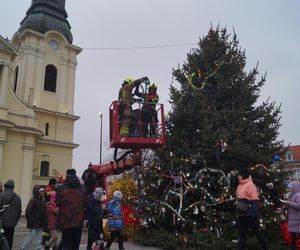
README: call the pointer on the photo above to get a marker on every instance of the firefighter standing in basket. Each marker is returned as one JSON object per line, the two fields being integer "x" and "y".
{"x": 126, "y": 99}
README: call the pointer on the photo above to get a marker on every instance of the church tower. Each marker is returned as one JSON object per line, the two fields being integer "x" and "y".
{"x": 37, "y": 82}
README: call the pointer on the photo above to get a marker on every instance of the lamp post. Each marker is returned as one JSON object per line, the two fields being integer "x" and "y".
{"x": 101, "y": 116}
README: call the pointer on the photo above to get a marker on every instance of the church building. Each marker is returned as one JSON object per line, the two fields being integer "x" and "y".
{"x": 37, "y": 82}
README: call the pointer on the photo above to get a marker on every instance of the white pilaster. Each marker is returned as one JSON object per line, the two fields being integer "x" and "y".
{"x": 26, "y": 180}
{"x": 3, "y": 85}
{"x": 1, "y": 158}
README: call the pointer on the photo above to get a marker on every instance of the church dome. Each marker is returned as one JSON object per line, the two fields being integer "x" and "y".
{"x": 45, "y": 15}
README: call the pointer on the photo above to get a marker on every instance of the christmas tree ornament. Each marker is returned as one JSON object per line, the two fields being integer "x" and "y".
{"x": 196, "y": 211}
{"x": 163, "y": 210}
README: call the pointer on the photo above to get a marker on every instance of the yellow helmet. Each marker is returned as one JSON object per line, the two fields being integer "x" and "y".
{"x": 129, "y": 80}
{"x": 152, "y": 86}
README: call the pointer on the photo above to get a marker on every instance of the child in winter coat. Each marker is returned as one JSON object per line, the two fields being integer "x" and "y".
{"x": 52, "y": 212}
{"x": 115, "y": 220}
{"x": 95, "y": 215}
{"x": 294, "y": 212}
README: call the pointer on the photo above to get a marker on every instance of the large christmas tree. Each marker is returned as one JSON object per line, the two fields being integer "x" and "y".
{"x": 216, "y": 127}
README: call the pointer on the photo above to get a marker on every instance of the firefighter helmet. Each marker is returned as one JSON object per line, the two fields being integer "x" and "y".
{"x": 129, "y": 80}
{"x": 152, "y": 86}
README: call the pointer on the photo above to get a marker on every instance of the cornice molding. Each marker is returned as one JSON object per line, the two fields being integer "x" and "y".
{"x": 28, "y": 147}
{"x": 58, "y": 143}
{"x": 47, "y": 111}
{"x": 2, "y": 141}
{"x": 6, "y": 123}
{"x": 29, "y": 130}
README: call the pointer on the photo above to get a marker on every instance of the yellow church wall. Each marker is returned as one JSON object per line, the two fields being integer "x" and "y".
{"x": 49, "y": 100}
{"x": 65, "y": 129}
{"x": 60, "y": 128}
{"x": 42, "y": 120}
{"x": 13, "y": 158}
{"x": 60, "y": 159}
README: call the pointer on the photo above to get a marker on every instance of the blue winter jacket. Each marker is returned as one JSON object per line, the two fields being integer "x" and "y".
{"x": 115, "y": 217}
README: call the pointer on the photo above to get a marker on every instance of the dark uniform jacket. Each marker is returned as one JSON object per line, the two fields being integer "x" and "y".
{"x": 12, "y": 214}
{"x": 35, "y": 211}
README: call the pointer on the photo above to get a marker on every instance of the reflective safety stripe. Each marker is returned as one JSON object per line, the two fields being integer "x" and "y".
{"x": 124, "y": 131}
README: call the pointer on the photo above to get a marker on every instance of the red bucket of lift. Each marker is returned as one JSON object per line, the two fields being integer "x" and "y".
{"x": 143, "y": 133}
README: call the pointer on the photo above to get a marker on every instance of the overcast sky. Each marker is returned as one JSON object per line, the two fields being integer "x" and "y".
{"x": 268, "y": 30}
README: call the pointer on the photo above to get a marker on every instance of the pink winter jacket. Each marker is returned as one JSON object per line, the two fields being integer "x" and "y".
{"x": 247, "y": 190}
{"x": 52, "y": 211}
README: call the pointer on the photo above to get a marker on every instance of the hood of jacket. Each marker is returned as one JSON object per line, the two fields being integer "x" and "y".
{"x": 244, "y": 181}
{"x": 295, "y": 187}
{"x": 35, "y": 191}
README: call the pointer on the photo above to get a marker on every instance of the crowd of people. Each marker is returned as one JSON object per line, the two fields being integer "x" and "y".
{"x": 64, "y": 208}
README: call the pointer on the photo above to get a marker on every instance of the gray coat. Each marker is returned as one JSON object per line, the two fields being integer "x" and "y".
{"x": 11, "y": 215}
{"x": 294, "y": 208}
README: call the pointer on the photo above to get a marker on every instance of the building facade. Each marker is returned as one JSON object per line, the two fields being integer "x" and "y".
{"x": 292, "y": 161}
{"x": 37, "y": 82}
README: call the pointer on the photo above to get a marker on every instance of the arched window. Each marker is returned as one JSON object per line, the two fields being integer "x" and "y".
{"x": 289, "y": 156}
{"x": 50, "y": 78}
{"x": 16, "y": 79}
{"x": 44, "y": 171}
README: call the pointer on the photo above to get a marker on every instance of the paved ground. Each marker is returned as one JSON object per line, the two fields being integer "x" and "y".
{"x": 21, "y": 232}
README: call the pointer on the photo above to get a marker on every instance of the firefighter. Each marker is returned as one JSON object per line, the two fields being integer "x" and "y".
{"x": 149, "y": 114}
{"x": 126, "y": 99}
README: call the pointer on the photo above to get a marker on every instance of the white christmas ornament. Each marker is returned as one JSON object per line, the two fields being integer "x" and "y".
{"x": 196, "y": 211}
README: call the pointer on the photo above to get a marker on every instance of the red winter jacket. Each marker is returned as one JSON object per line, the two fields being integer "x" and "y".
{"x": 70, "y": 202}
{"x": 52, "y": 212}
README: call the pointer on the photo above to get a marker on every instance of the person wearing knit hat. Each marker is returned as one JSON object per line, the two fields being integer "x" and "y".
{"x": 35, "y": 214}
{"x": 90, "y": 179}
{"x": 71, "y": 171}
{"x": 11, "y": 215}
{"x": 98, "y": 193}
{"x": 95, "y": 216}
{"x": 70, "y": 200}
{"x": 52, "y": 215}
{"x": 115, "y": 220}
{"x": 51, "y": 186}
{"x": 118, "y": 195}
{"x": 10, "y": 184}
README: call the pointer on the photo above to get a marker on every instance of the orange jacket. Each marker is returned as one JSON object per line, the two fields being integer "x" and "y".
{"x": 247, "y": 190}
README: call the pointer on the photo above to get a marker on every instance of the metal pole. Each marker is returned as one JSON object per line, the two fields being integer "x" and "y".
{"x": 101, "y": 116}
